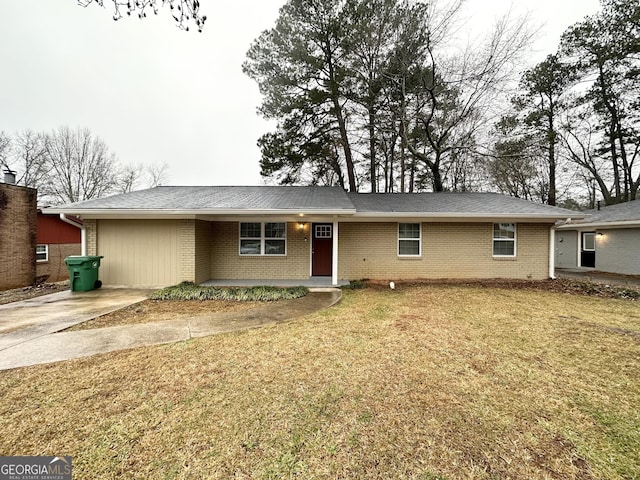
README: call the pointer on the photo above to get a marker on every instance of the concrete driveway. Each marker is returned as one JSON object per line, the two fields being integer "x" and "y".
{"x": 25, "y": 321}
{"x": 27, "y": 329}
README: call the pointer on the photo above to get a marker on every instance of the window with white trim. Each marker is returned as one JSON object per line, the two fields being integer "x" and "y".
{"x": 589, "y": 241}
{"x": 504, "y": 239}
{"x": 409, "y": 239}
{"x": 323, "y": 231}
{"x": 42, "y": 253}
{"x": 263, "y": 238}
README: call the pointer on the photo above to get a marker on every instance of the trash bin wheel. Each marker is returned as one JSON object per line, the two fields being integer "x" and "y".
{"x": 97, "y": 284}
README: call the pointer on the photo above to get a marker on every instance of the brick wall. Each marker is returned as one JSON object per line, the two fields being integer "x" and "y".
{"x": 17, "y": 236}
{"x": 203, "y": 241}
{"x": 227, "y": 263}
{"x": 91, "y": 236}
{"x": 55, "y": 269}
{"x": 187, "y": 250}
{"x": 449, "y": 250}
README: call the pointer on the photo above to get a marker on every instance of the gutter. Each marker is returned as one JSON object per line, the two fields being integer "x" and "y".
{"x": 177, "y": 213}
{"x": 83, "y": 233}
{"x": 614, "y": 224}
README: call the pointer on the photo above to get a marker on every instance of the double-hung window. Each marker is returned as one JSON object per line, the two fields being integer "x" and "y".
{"x": 42, "y": 253}
{"x": 409, "y": 239}
{"x": 504, "y": 239}
{"x": 263, "y": 238}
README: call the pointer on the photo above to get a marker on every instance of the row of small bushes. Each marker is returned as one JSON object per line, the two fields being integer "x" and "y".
{"x": 191, "y": 291}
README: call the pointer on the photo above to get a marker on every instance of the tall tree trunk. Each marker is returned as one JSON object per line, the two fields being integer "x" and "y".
{"x": 346, "y": 147}
{"x": 335, "y": 98}
{"x": 552, "y": 155}
{"x": 372, "y": 147}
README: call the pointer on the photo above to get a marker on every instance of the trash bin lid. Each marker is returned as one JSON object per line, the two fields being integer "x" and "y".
{"x": 81, "y": 259}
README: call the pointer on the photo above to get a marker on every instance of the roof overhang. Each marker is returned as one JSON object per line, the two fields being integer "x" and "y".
{"x": 600, "y": 225}
{"x": 455, "y": 217}
{"x": 302, "y": 215}
{"x": 209, "y": 214}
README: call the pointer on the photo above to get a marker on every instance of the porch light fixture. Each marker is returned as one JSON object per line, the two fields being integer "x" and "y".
{"x": 301, "y": 226}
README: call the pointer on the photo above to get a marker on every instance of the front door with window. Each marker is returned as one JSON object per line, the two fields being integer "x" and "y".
{"x": 588, "y": 250}
{"x": 322, "y": 250}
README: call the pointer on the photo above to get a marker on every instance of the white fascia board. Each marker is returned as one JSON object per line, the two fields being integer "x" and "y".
{"x": 105, "y": 213}
{"x": 601, "y": 225}
{"x": 456, "y": 217}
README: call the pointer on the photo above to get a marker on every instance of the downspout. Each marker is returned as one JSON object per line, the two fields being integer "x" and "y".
{"x": 552, "y": 253}
{"x": 83, "y": 233}
{"x": 334, "y": 261}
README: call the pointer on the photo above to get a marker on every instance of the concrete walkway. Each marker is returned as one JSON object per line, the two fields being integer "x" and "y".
{"x": 50, "y": 347}
{"x": 599, "y": 277}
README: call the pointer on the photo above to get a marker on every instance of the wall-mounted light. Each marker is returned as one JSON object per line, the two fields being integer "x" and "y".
{"x": 300, "y": 226}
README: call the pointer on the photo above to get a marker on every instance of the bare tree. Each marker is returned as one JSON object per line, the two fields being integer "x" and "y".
{"x": 156, "y": 174}
{"x": 128, "y": 179}
{"x": 30, "y": 160}
{"x": 183, "y": 11}
{"x": 133, "y": 177}
{"x": 82, "y": 167}
{"x": 456, "y": 96}
{"x": 5, "y": 149}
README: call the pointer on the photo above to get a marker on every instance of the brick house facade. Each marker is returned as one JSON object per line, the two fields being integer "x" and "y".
{"x": 18, "y": 208}
{"x": 166, "y": 235}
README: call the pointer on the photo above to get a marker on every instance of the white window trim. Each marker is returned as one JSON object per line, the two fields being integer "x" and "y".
{"x": 46, "y": 253}
{"x": 582, "y": 247}
{"x": 514, "y": 240}
{"x": 262, "y": 240}
{"x": 419, "y": 240}
{"x": 328, "y": 228}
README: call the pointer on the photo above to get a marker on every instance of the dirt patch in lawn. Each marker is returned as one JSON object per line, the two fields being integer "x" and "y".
{"x": 159, "y": 310}
{"x": 25, "y": 293}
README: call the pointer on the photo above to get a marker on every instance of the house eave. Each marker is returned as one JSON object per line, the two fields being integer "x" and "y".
{"x": 302, "y": 214}
{"x": 457, "y": 217}
{"x": 110, "y": 213}
{"x": 600, "y": 225}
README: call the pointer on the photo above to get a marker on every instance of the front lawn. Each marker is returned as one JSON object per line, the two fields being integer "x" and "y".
{"x": 422, "y": 382}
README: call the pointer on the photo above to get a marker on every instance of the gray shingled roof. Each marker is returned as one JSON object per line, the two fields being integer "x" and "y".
{"x": 223, "y": 198}
{"x": 309, "y": 199}
{"x": 452, "y": 203}
{"x": 622, "y": 212}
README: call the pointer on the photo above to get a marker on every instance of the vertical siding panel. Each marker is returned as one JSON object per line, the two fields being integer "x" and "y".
{"x": 138, "y": 253}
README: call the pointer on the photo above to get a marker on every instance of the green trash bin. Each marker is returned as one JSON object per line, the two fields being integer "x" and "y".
{"x": 83, "y": 272}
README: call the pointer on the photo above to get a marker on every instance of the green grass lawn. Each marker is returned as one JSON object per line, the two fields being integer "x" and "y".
{"x": 423, "y": 382}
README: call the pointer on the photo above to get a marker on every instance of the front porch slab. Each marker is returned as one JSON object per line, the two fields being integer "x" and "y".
{"x": 313, "y": 282}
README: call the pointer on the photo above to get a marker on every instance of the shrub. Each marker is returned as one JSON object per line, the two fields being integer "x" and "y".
{"x": 191, "y": 291}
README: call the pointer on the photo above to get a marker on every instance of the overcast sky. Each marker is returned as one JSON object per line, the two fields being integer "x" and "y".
{"x": 155, "y": 93}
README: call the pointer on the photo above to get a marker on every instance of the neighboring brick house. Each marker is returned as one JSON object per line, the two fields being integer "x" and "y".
{"x": 56, "y": 240}
{"x": 166, "y": 235}
{"x": 17, "y": 236}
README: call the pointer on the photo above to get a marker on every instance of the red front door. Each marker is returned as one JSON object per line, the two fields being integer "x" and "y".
{"x": 322, "y": 249}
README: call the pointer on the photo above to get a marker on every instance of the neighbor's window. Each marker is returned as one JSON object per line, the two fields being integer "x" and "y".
{"x": 42, "y": 253}
{"x": 589, "y": 241}
{"x": 268, "y": 238}
{"x": 504, "y": 239}
{"x": 409, "y": 239}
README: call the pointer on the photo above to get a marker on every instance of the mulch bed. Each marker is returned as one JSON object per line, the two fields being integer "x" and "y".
{"x": 561, "y": 285}
{"x": 25, "y": 293}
